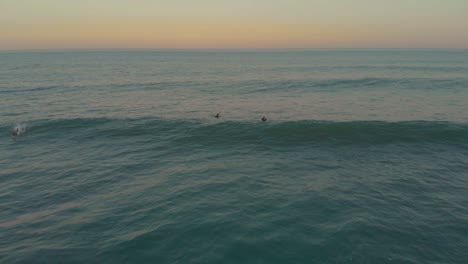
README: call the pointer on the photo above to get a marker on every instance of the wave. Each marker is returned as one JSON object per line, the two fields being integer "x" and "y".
{"x": 356, "y": 132}
{"x": 132, "y": 85}
{"x": 257, "y": 85}
{"x": 289, "y": 132}
{"x": 333, "y": 85}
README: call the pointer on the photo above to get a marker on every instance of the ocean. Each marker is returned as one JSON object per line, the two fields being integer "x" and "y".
{"x": 119, "y": 158}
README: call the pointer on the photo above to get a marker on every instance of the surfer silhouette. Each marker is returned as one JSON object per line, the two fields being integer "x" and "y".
{"x": 217, "y": 115}
{"x": 14, "y": 133}
{"x": 264, "y": 119}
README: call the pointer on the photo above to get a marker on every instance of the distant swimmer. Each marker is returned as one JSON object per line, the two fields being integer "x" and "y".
{"x": 14, "y": 133}
{"x": 217, "y": 115}
{"x": 264, "y": 119}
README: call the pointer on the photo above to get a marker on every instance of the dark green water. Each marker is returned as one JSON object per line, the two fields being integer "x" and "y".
{"x": 363, "y": 159}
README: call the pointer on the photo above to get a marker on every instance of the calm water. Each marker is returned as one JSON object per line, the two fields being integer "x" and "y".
{"x": 363, "y": 159}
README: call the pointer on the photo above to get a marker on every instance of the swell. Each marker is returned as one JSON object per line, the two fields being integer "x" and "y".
{"x": 257, "y": 85}
{"x": 332, "y": 85}
{"x": 357, "y": 132}
{"x": 289, "y": 132}
{"x": 132, "y": 85}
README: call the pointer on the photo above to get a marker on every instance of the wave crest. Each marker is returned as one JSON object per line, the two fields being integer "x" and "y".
{"x": 290, "y": 132}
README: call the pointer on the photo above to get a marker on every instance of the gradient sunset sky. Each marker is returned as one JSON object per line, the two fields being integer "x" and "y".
{"x": 234, "y": 24}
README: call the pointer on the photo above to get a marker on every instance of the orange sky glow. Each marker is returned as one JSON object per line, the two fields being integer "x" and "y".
{"x": 121, "y": 24}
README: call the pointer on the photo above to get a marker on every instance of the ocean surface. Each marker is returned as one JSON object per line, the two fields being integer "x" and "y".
{"x": 119, "y": 159}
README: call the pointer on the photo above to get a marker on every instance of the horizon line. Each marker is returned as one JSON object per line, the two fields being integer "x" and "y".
{"x": 217, "y": 49}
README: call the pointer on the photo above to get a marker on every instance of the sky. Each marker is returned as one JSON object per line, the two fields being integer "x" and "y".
{"x": 233, "y": 24}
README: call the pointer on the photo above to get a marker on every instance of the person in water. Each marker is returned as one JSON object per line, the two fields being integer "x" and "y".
{"x": 217, "y": 115}
{"x": 264, "y": 119}
{"x": 14, "y": 133}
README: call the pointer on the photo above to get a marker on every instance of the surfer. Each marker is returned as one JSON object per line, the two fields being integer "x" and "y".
{"x": 264, "y": 119}
{"x": 217, "y": 115}
{"x": 14, "y": 133}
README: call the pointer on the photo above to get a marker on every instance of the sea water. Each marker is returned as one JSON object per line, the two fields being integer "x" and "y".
{"x": 363, "y": 158}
